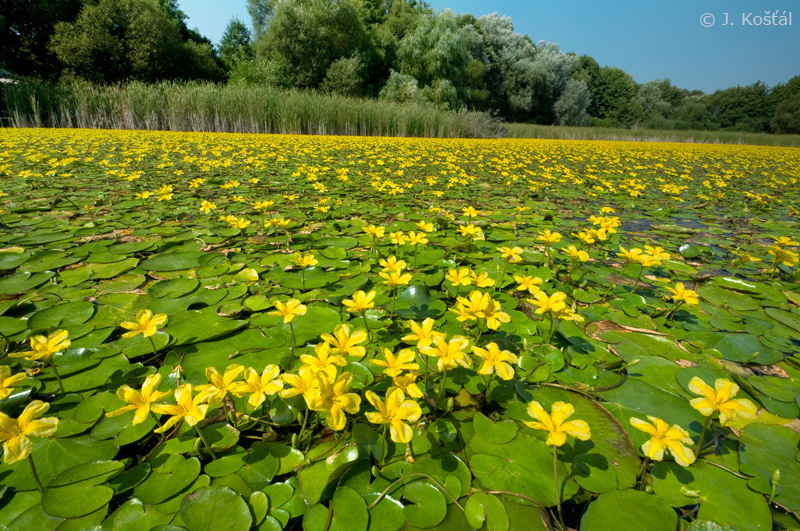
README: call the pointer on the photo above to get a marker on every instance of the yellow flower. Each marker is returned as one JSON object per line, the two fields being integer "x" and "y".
{"x": 334, "y": 398}
{"x": 398, "y": 238}
{"x": 395, "y": 279}
{"x": 207, "y": 206}
{"x": 548, "y": 237}
{"x": 143, "y": 195}
{"x": 585, "y": 237}
{"x": 262, "y": 205}
{"x": 261, "y": 385}
{"x": 662, "y": 437}
{"x": 188, "y": 408}
{"x": 744, "y": 257}
{"x": 139, "y": 401}
{"x": 470, "y": 212}
{"x": 7, "y": 381}
{"x": 14, "y": 433}
{"x": 289, "y": 310}
{"x": 784, "y": 241}
{"x": 392, "y": 264}
{"x": 483, "y": 280}
{"x": 425, "y": 226}
{"x": 782, "y": 256}
{"x": 303, "y": 383}
{"x": 449, "y": 353}
{"x": 375, "y": 232}
{"x": 634, "y": 255}
{"x": 44, "y": 347}
{"x": 417, "y": 238}
{"x": 222, "y": 384}
{"x": 552, "y": 304}
{"x": 323, "y": 360}
{"x": 394, "y": 412}
{"x": 407, "y": 383}
{"x": 495, "y": 359}
{"x": 555, "y": 423}
{"x": 397, "y": 364}
{"x": 459, "y": 277}
{"x": 575, "y": 253}
{"x": 720, "y": 398}
{"x": 470, "y": 232}
{"x": 361, "y": 302}
{"x": 423, "y": 333}
{"x": 305, "y": 261}
{"x": 146, "y": 324}
{"x": 528, "y": 283}
{"x": 657, "y": 253}
{"x": 511, "y": 254}
{"x": 343, "y": 342}
{"x": 682, "y": 294}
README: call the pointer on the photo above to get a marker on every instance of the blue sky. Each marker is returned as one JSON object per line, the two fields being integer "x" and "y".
{"x": 649, "y": 40}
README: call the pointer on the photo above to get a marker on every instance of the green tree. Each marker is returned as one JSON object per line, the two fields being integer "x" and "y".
{"x": 25, "y": 29}
{"x": 746, "y": 108}
{"x": 572, "y": 106}
{"x": 236, "y": 43}
{"x": 787, "y": 116}
{"x": 117, "y": 40}
{"x": 345, "y": 76}
{"x": 260, "y": 12}
{"x": 616, "y": 92}
{"x": 307, "y": 36}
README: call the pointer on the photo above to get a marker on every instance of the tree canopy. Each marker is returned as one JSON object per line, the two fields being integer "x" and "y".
{"x": 399, "y": 50}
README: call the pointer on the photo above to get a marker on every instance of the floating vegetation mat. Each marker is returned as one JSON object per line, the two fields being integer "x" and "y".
{"x": 205, "y": 331}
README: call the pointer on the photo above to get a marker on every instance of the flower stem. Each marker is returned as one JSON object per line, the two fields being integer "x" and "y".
{"x": 501, "y": 277}
{"x": 303, "y": 279}
{"x": 702, "y": 437}
{"x": 394, "y": 298}
{"x": 153, "y": 344}
{"x": 558, "y": 493}
{"x": 303, "y": 427}
{"x": 35, "y": 475}
{"x": 366, "y": 325}
{"x": 384, "y": 445}
{"x": 613, "y": 283}
{"x": 638, "y": 278}
{"x": 294, "y": 339}
{"x": 58, "y": 377}
{"x": 205, "y": 441}
{"x": 440, "y": 394}
{"x": 643, "y": 472}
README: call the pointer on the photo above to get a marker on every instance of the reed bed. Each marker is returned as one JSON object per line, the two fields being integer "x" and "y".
{"x": 555, "y": 132}
{"x": 208, "y": 107}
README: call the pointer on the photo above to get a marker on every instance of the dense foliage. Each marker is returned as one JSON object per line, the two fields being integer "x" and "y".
{"x": 398, "y": 50}
{"x": 204, "y": 331}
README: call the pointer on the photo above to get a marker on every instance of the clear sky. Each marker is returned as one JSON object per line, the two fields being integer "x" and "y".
{"x": 648, "y": 39}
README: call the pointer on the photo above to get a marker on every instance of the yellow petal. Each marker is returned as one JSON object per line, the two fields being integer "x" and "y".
{"x": 16, "y": 449}
{"x": 578, "y": 429}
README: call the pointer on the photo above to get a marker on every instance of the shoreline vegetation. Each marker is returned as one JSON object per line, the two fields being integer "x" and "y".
{"x": 209, "y": 107}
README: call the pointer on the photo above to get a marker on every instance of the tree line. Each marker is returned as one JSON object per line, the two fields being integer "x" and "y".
{"x": 396, "y": 50}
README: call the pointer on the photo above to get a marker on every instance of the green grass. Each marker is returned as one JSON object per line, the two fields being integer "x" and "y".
{"x": 208, "y": 107}
{"x": 515, "y": 130}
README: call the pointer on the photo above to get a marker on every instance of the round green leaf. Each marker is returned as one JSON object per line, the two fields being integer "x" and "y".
{"x": 349, "y": 511}
{"x": 628, "y": 510}
{"x": 428, "y": 505}
{"x": 482, "y": 507}
{"x": 211, "y": 508}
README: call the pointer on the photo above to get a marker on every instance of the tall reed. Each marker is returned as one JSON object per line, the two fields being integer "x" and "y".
{"x": 178, "y": 106}
{"x": 516, "y": 130}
